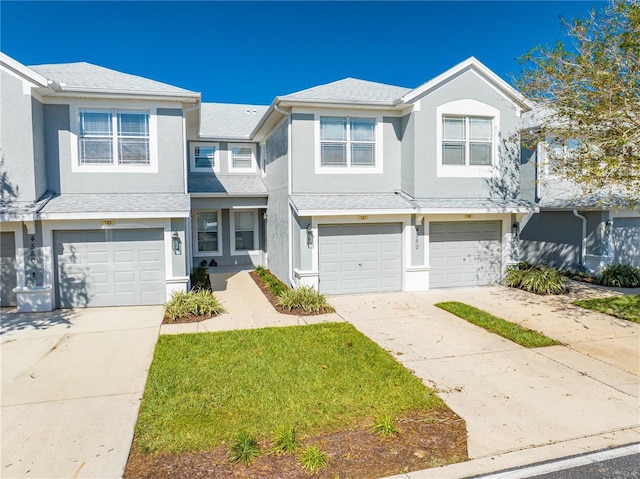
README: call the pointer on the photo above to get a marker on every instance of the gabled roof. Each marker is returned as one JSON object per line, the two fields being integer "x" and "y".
{"x": 19, "y": 69}
{"x": 229, "y": 121}
{"x": 470, "y": 64}
{"x": 89, "y": 78}
{"x": 350, "y": 90}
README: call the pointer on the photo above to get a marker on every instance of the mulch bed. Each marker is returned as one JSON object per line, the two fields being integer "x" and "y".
{"x": 274, "y": 300}
{"x": 427, "y": 439}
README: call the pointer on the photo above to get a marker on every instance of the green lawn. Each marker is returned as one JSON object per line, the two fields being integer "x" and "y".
{"x": 204, "y": 388}
{"x": 625, "y": 307}
{"x": 511, "y": 331}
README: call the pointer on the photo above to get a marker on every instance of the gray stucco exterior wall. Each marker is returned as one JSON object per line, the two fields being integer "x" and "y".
{"x": 17, "y": 148}
{"x": 168, "y": 179}
{"x": 427, "y": 184}
{"x": 179, "y": 261}
{"x": 407, "y": 154}
{"x": 305, "y": 179}
{"x": 40, "y": 167}
{"x": 278, "y": 210}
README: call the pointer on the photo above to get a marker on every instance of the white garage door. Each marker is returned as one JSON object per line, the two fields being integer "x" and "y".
{"x": 626, "y": 240}
{"x": 360, "y": 258}
{"x": 109, "y": 267}
{"x": 7, "y": 269}
{"x": 464, "y": 253}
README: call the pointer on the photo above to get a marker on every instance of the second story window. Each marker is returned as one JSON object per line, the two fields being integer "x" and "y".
{"x": 467, "y": 141}
{"x": 347, "y": 142}
{"x": 242, "y": 158}
{"x": 113, "y": 137}
{"x": 204, "y": 156}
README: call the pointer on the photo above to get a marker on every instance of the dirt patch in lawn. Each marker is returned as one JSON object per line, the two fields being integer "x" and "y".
{"x": 427, "y": 439}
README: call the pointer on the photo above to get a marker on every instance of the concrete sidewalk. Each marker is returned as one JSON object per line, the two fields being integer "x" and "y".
{"x": 247, "y": 308}
{"x": 520, "y": 405}
{"x": 72, "y": 381}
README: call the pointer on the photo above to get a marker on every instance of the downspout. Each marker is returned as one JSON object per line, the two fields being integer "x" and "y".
{"x": 583, "y": 243}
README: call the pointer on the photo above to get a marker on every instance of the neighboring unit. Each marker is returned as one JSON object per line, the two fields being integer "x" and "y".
{"x": 115, "y": 186}
{"x": 573, "y": 231}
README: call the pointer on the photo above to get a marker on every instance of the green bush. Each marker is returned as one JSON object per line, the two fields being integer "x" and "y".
{"x": 244, "y": 449}
{"x": 538, "y": 280}
{"x": 200, "y": 278}
{"x": 305, "y": 298}
{"x": 620, "y": 276}
{"x": 273, "y": 284}
{"x": 313, "y": 459}
{"x": 198, "y": 302}
{"x": 286, "y": 441}
{"x": 385, "y": 425}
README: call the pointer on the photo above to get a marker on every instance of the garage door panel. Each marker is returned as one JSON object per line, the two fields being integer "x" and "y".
{"x": 360, "y": 258}
{"x": 464, "y": 253}
{"x": 105, "y": 267}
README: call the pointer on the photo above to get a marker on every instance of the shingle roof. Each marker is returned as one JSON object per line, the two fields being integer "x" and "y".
{"x": 119, "y": 203}
{"x": 497, "y": 204}
{"x": 351, "y": 90}
{"x": 224, "y": 120}
{"x": 373, "y": 201}
{"x": 597, "y": 202}
{"x": 227, "y": 184}
{"x": 84, "y": 75}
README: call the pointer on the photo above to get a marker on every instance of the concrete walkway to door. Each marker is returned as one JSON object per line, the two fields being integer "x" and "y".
{"x": 72, "y": 381}
{"x": 577, "y": 397}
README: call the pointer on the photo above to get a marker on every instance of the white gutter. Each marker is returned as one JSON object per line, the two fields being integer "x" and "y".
{"x": 583, "y": 243}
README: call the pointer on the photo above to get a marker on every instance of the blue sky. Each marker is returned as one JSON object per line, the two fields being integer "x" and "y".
{"x": 250, "y": 52}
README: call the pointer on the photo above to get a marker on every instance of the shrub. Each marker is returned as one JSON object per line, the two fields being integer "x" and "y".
{"x": 538, "y": 280}
{"x": 273, "y": 284}
{"x": 313, "y": 459}
{"x": 200, "y": 278}
{"x": 385, "y": 425}
{"x": 286, "y": 441}
{"x": 305, "y": 298}
{"x": 197, "y": 302}
{"x": 244, "y": 449}
{"x": 620, "y": 276}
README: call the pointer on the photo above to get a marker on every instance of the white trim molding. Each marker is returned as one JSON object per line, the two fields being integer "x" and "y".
{"x": 466, "y": 108}
{"x": 234, "y": 169}
{"x": 192, "y": 157}
{"x": 194, "y": 229}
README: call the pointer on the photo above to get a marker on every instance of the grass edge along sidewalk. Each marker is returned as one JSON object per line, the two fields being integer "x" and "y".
{"x": 511, "y": 331}
{"x": 623, "y": 307}
{"x": 204, "y": 388}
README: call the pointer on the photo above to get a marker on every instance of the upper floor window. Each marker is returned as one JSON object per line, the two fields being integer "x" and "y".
{"x": 204, "y": 156}
{"x": 113, "y": 137}
{"x": 242, "y": 157}
{"x": 467, "y": 141}
{"x": 467, "y": 133}
{"x": 347, "y": 142}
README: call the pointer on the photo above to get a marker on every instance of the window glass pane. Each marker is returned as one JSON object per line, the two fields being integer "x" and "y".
{"x": 244, "y": 240}
{"x": 453, "y": 128}
{"x": 207, "y": 221}
{"x": 133, "y": 151}
{"x": 480, "y": 153}
{"x": 204, "y": 156}
{"x": 453, "y": 153}
{"x": 333, "y": 154}
{"x": 96, "y": 151}
{"x": 362, "y": 129}
{"x": 333, "y": 128}
{"x": 207, "y": 242}
{"x": 480, "y": 129}
{"x": 133, "y": 124}
{"x": 241, "y": 156}
{"x": 362, "y": 154}
{"x": 95, "y": 123}
{"x": 207, "y": 224}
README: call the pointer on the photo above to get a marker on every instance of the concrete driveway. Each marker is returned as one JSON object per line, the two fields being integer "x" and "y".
{"x": 514, "y": 398}
{"x": 71, "y": 387}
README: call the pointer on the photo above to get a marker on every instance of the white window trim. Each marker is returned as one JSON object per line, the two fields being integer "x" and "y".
{"x": 76, "y": 167}
{"x": 349, "y": 170}
{"x": 192, "y": 157}
{"x": 465, "y": 108}
{"x": 232, "y": 234}
{"x": 194, "y": 229}
{"x": 254, "y": 165}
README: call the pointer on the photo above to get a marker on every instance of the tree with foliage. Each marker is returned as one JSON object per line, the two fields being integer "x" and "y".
{"x": 587, "y": 91}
